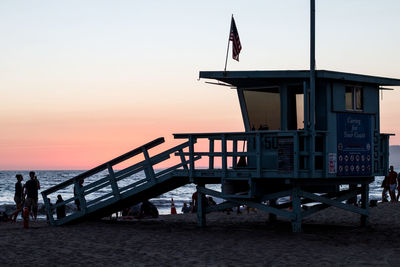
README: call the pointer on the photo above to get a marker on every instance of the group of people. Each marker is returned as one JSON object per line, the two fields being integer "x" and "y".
{"x": 145, "y": 209}
{"x": 390, "y": 184}
{"x": 192, "y": 207}
{"x": 26, "y": 195}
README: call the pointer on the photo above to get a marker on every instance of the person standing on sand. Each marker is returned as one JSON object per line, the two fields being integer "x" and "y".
{"x": 393, "y": 184}
{"x": 386, "y": 187}
{"x": 194, "y": 202}
{"x": 398, "y": 186}
{"x": 18, "y": 196}
{"x": 31, "y": 192}
{"x": 77, "y": 202}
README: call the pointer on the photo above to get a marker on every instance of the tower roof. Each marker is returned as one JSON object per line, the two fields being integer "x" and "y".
{"x": 253, "y": 78}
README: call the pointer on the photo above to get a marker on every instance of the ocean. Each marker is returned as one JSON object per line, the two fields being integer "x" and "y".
{"x": 163, "y": 202}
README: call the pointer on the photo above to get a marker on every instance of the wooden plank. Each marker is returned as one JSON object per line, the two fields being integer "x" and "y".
{"x": 249, "y": 203}
{"x": 175, "y": 167}
{"x": 320, "y": 207}
{"x": 282, "y": 213}
{"x": 276, "y": 195}
{"x": 334, "y": 203}
{"x": 221, "y": 207}
{"x": 135, "y": 184}
{"x": 100, "y": 198}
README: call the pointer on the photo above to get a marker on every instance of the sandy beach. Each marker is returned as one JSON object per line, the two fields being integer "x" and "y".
{"x": 331, "y": 237}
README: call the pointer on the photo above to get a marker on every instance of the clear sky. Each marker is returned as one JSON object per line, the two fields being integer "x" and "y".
{"x": 85, "y": 81}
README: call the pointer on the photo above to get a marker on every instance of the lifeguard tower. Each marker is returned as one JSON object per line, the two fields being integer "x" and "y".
{"x": 311, "y": 140}
{"x": 303, "y": 152}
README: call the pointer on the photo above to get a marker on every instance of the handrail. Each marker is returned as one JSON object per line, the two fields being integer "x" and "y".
{"x": 112, "y": 177}
{"x": 103, "y": 166}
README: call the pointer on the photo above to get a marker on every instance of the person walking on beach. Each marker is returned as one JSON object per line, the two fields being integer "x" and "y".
{"x": 31, "y": 192}
{"x": 18, "y": 197}
{"x": 386, "y": 188}
{"x": 77, "y": 202}
{"x": 393, "y": 184}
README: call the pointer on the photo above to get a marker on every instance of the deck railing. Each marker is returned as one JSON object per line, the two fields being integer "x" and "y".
{"x": 267, "y": 153}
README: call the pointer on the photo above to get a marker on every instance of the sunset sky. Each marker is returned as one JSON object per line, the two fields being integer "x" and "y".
{"x": 85, "y": 81}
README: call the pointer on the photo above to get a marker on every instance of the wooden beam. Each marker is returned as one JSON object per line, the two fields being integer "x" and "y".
{"x": 334, "y": 203}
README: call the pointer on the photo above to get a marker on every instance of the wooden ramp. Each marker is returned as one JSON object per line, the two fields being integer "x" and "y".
{"x": 106, "y": 191}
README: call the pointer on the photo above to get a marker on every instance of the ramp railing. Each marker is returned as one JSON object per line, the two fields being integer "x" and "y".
{"x": 103, "y": 185}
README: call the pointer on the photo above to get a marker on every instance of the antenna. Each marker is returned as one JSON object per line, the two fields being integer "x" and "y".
{"x": 312, "y": 65}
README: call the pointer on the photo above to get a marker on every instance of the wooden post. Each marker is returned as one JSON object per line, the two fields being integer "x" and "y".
{"x": 113, "y": 182}
{"x": 149, "y": 168}
{"x": 272, "y": 216}
{"x": 211, "y": 158}
{"x": 296, "y": 209}
{"x": 364, "y": 203}
{"x": 201, "y": 214}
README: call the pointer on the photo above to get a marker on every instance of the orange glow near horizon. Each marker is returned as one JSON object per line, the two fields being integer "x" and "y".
{"x": 80, "y": 142}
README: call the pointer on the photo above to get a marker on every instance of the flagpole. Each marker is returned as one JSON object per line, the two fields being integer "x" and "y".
{"x": 227, "y": 49}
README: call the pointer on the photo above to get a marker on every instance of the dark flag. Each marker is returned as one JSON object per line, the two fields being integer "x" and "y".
{"x": 234, "y": 37}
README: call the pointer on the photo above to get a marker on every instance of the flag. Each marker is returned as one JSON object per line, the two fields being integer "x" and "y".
{"x": 234, "y": 37}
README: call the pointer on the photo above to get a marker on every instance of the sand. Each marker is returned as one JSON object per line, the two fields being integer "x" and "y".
{"x": 331, "y": 237}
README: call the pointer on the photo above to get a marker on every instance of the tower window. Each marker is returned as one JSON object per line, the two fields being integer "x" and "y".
{"x": 354, "y": 98}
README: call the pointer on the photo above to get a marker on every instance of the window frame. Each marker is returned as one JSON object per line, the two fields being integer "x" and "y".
{"x": 355, "y": 91}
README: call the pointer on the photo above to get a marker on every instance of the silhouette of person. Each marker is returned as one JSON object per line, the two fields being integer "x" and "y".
{"x": 18, "y": 197}
{"x": 31, "y": 192}
{"x": 60, "y": 210}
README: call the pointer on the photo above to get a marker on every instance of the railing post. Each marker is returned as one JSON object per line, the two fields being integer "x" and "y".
{"x": 258, "y": 156}
{"x": 185, "y": 167}
{"x": 79, "y": 192}
{"x": 296, "y": 156}
{"x": 312, "y": 154}
{"x": 113, "y": 182}
{"x": 149, "y": 168}
{"x": 211, "y": 158}
{"x": 234, "y": 150}
{"x": 191, "y": 157}
{"x": 224, "y": 158}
